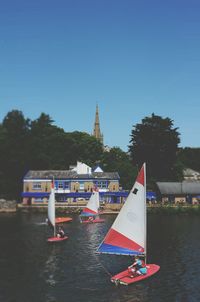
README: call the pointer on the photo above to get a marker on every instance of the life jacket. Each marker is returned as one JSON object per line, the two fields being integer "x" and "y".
{"x": 140, "y": 264}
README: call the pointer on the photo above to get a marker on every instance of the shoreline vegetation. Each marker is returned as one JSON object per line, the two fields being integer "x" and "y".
{"x": 158, "y": 208}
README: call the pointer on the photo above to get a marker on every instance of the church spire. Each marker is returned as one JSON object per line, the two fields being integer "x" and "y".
{"x": 96, "y": 132}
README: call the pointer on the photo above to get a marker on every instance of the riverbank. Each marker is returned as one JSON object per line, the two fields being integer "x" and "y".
{"x": 8, "y": 206}
{"x": 113, "y": 208}
{"x": 63, "y": 208}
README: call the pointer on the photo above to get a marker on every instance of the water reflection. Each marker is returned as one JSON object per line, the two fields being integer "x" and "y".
{"x": 51, "y": 266}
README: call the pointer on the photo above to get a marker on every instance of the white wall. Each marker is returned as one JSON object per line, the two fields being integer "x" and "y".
{"x": 82, "y": 168}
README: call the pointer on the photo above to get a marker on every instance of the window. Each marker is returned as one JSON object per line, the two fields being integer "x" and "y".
{"x": 102, "y": 184}
{"x": 60, "y": 185}
{"x": 81, "y": 185}
{"x": 38, "y": 200}
{"x": 66, "y": 184}
{"x": 37, "y": 186}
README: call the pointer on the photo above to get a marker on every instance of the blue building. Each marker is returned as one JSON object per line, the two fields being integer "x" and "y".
{"x": 72, "y": 185}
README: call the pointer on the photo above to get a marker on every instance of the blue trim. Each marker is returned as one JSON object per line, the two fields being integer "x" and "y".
{"x": 79, "y": 194}
{"x": 150, "y": 195}
{"x": 112, "y": 249}
{"x": 84, "y": 214}
{"x": 35, "y": 194}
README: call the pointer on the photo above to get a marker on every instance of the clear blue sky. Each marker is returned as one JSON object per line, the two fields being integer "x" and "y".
{"x": 132, "y": 57}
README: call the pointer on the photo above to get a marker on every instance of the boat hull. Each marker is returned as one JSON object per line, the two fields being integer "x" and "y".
{"x": 57, "y": 239}
{"x": 63, "y": 219}
{"x": 125, "y": 279}
{"x": 97, "y": 220}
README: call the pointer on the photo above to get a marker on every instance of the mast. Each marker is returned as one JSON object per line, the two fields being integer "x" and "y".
{"x": 51, "y": 207}
{"x": 145, "y": 216}
{"x": 54, "y": 227}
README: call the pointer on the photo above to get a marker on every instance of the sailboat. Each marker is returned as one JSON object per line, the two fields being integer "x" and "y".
{"x": 60, "y": 220}
{"x": 91, "y": 211}
{"x": 127, "y": 235}
{"x": 51, "y": 216}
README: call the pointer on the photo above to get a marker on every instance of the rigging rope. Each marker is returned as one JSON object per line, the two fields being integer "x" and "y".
{"x": 105, "y": 269}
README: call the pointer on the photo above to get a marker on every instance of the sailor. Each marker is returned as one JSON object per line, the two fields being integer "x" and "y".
{"x": 61, "y": 233}
{"x": 137, "y": 268}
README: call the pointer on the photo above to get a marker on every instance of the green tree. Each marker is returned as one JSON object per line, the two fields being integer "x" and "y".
{"x": 83, "y": 147}
{"x": 14, "y": 133}
{"x": 190, "y": 158}
{"x": 117, "y": 160}
{"x": 52, "y": 148}
{"x": 155, "y": 142}
{"x": 46, "y": 145}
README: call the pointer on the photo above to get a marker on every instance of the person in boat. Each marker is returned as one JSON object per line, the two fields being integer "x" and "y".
{"x": 61, "y": 233}
{"x": 137, "y": 268}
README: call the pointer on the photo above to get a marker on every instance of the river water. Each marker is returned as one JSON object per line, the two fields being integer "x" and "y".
{"x": 32, "y": 270}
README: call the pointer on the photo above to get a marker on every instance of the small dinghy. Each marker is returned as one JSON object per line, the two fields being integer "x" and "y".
{"x": 91, "y": 211}
{"x": 51, "y": 217}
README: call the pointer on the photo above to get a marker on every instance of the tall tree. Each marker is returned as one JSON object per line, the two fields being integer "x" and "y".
{"x": 46, "y": 144}
{"x": 14, "y": 135}
{"x": 155, "y": 142}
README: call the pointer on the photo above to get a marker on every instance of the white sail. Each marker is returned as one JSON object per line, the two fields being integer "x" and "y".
{"x": 92, "y": 206}
{"x": 51, "y": 207}
{"x": 128, "y": 233}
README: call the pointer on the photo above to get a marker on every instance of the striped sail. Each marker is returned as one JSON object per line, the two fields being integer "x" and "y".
{"x": 92, "y": 206}
{"x": 51, "y": 207}
{"x": 127, "y": 235}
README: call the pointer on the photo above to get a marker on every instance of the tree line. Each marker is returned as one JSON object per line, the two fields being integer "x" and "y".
{"x": 40, "y": 145}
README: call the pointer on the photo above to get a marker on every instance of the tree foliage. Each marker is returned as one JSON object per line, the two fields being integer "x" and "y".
{"x": 83, "y": 147}
{"x": 118, "y": 160}
{"x": 190, "y": 158}
{"x": 39, "y": 145}
{"x": 14, "y": 137}
{"x": 155, "y": 142}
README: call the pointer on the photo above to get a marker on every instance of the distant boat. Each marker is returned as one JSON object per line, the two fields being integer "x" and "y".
{"x": 63, "y": 219}
{"x": 127, "y": 235}
{"x": 91, "y": 211}
{"x": 51, "y": 217}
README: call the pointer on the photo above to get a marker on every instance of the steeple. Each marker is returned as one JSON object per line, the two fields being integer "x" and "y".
{"x": 97, "y": 133}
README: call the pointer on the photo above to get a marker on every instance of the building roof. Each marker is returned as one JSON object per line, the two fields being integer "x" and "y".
{"x": 190, "y": 172}
{"x": 65, "y": 174}
{"x": 97, "y": 168}
{"x": 185, "y": 187}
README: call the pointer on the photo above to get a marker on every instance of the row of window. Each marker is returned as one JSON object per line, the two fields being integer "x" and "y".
{"x": 65, "y": 185}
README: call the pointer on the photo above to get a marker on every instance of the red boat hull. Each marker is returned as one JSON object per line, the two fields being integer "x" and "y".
{"x": 63, "y": 219}
{"x": 125, "y": 279}
{"x": 57, "y": 239}
{"x": 97, "y": 220}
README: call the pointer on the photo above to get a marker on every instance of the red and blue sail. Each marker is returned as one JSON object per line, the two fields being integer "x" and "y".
{"x": 127, "y": 234}
{"x": 92, "y": 206}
